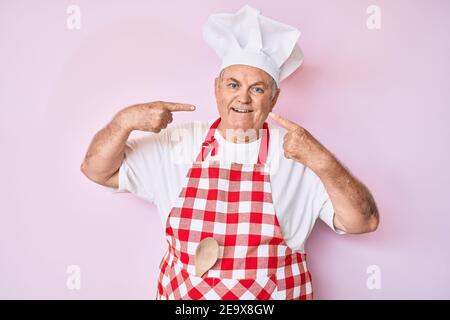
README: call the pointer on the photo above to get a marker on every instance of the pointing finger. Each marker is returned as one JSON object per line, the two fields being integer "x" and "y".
{"x": 289, "y": 125}
{"x": 180, "y": 107}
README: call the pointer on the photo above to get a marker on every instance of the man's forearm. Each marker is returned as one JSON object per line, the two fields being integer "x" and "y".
{"x": 106, "y": 151}
{"x": 354, "y": 205}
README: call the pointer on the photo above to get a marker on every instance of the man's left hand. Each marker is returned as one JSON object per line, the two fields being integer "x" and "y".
{"x": 301, "y": 146}
{"x": 355, "y": 210}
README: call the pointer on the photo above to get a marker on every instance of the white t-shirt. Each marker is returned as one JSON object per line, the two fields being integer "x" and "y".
{"x": 155, "y": 168}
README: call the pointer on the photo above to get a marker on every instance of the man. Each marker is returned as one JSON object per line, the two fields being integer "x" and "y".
{"x": 238, "y": 211}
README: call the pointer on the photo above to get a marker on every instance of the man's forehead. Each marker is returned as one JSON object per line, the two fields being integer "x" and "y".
{"x": 248, "y": 73}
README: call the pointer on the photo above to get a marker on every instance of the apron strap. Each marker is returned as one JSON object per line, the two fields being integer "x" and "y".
{"x": 264, "y": 147}
{"x": 210, "y": 144}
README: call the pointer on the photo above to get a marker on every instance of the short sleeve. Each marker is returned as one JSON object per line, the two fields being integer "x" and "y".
{"x": 140, "y": 169}
{"x": 325, "y": 207}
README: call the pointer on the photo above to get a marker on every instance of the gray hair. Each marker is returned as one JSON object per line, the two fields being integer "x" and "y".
{"x": 274, "y": 84}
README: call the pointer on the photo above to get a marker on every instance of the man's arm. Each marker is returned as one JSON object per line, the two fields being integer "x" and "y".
{"x": 355, "y": 210}
{"x": 106, "y": 151}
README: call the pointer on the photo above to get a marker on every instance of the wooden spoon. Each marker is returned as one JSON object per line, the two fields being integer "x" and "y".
{"x": 206, "y": 255}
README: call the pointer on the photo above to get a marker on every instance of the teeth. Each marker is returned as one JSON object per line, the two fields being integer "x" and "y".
{"x": 241, "y": 110}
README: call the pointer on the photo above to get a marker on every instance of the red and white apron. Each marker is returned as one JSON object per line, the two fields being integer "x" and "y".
{"x": 231, "y": 203}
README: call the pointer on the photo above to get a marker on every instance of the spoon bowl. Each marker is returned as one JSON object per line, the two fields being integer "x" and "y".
{"x": 206, "y": 256}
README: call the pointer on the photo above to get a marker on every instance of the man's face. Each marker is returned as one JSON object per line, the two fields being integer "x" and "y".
{"x": 244, "y": 97}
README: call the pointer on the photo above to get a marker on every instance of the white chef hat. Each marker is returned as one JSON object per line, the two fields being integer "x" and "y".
{"x": 251, "y": 39}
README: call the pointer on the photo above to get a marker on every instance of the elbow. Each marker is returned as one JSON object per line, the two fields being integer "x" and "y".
{"x": 373, "y": 222}
{"x": 110, "y": 180}
{"x": 84, "y": 168}
{"x": 362, "y": 225}
{"x": 372, "y": 217}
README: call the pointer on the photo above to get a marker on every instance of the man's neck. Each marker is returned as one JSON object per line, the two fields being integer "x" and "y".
{"x": 238, "y": 135}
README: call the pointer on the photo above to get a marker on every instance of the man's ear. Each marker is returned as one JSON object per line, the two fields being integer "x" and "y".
{"x": 275, "y": 98}
{"x": 216, "y": 83}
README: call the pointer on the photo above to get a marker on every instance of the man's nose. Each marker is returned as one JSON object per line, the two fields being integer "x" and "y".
{"x": 244, "y": 96}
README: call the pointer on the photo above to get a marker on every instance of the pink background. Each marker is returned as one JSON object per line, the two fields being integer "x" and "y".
{"x": 378, "y": 99}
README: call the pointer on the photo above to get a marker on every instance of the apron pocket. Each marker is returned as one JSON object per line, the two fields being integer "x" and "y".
{"x": 259, "y": 288}
{"x": 188, "y": 286}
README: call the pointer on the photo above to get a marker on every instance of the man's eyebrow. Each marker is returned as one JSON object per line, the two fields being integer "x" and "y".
{"x": 258, "y": 82}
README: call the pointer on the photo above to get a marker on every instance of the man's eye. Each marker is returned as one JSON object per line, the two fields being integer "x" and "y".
{"x": 259, "y": 90}
{"x": 232, "y": 85}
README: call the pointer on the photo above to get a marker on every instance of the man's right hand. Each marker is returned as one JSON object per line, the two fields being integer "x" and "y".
{"x": 151, "y": 117}
{"x": 106, "y": 151}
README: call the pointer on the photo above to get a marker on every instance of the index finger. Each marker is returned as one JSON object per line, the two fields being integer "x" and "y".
{"x": 288, "y": 124}
{"x": 180, "y": 107}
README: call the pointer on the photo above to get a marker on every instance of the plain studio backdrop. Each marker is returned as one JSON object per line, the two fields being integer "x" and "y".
{"x": 378, "y": 98}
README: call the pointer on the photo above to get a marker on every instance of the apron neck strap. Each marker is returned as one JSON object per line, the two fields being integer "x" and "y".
{"x": 210, "y": 143}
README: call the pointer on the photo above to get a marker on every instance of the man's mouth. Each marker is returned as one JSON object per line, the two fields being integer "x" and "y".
{"x": 241, "y": 110}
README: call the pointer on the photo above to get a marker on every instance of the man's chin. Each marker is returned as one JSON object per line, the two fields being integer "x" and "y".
{"x": 241, "y": 131}
{"x": 240, "y": 125}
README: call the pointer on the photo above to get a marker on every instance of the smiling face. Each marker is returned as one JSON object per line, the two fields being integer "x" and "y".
{"x": 245, "y": 95}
